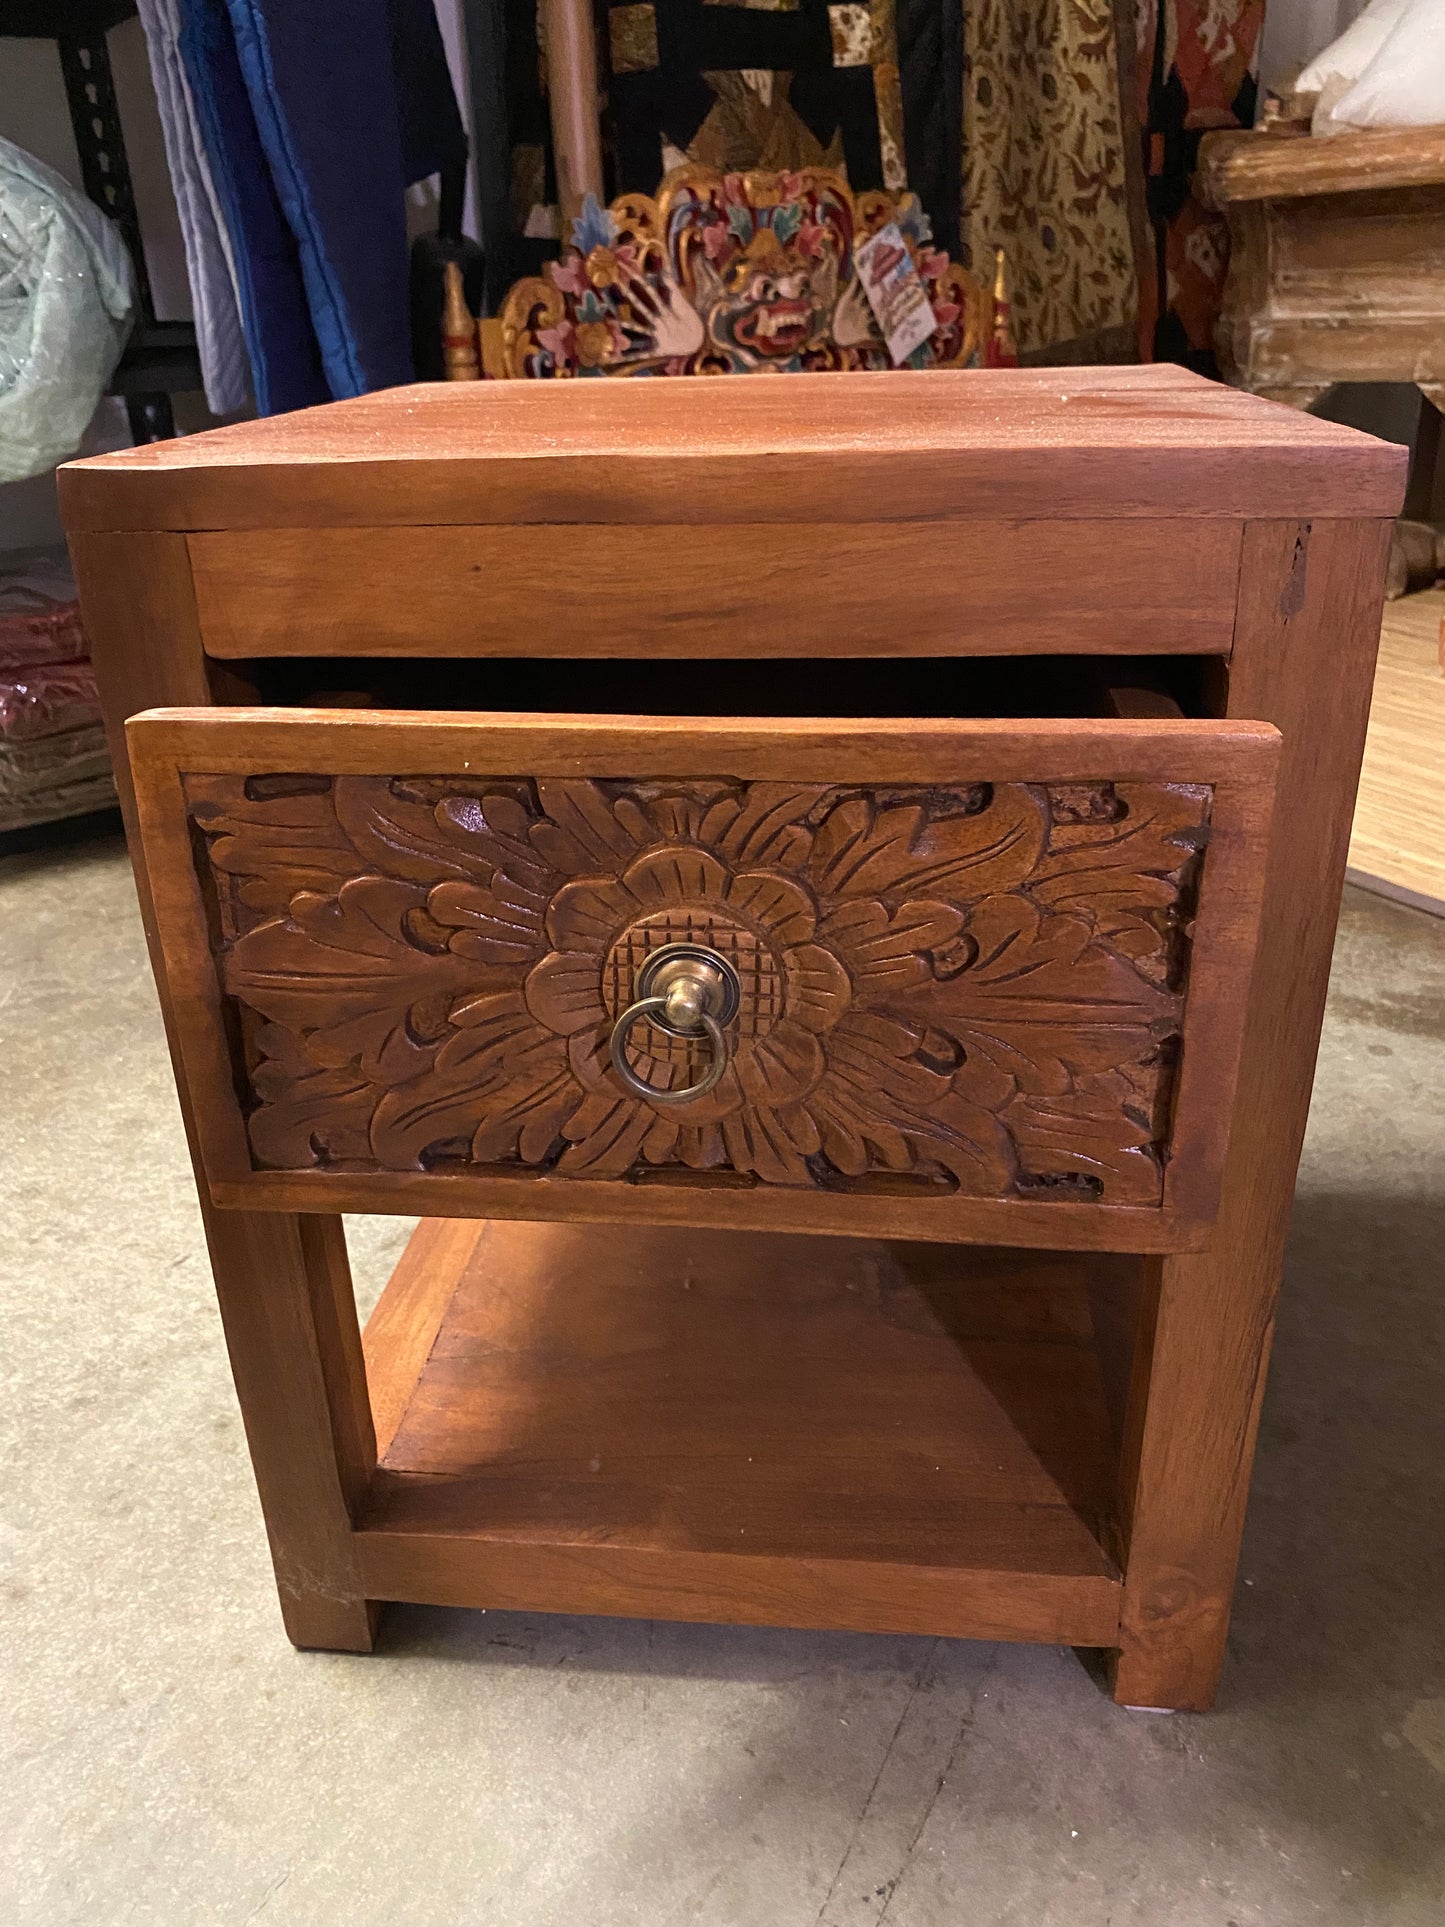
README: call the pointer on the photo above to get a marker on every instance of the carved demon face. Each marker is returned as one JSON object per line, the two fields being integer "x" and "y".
{"x": 768, "y": 303}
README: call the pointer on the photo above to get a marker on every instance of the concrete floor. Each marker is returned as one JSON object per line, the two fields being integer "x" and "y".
{"x": 169, "y": 1759}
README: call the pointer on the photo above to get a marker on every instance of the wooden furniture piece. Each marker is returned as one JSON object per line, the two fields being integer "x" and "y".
{"x": 815, "y": 835}
{"x": 1337, "y": 259}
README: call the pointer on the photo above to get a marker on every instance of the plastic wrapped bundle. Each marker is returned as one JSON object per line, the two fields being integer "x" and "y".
{"x": 66, "y": 303}
{"x": 39, "y": 615}
{"x": 53, "y": 757}
{"x": 52, "y": 777}
{"x": 45, "y": 699}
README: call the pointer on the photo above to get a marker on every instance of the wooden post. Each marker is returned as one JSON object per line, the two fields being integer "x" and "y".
{"x": 572, "y": 91}
{"x": 281, "y": 1278}
{"x": 1304, "y": 658}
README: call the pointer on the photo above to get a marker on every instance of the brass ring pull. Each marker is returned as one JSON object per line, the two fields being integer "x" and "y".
{"x": 687, "y": 990}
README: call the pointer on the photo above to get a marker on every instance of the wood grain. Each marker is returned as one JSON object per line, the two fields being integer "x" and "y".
{"x": 825, "y": 589}
{"x": 1398, "y": 838}
{"x": 405, "y": 1320}
{"x": 779, "y": 1431}
{"x": 914, "y": 446}
{"x": 725, "y": 1206}
{"x": 1249, "y": 166}
{"x": 1303, "y": 659}
{"x": 337, "y": 1337}
{"x": 877, "y": 749}
{"x": 952, "y": 990}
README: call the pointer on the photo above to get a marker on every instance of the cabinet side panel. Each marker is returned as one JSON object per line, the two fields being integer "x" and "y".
{"x": 1304, "y": 658}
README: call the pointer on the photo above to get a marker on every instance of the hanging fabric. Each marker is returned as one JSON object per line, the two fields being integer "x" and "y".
{"x": 1195, "y": 72}
{"x": 210, "y": 269}
{"x": 1046, "y": 173}
{"x": 281, "y": 343}
{"x": 315, "y": 117}
{"x": 871, "y": 89}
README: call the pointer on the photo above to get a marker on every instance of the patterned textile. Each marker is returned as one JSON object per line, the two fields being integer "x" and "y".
{"x": 1045, "y": 175}
{"x": 738, "y": 84}
{"x": 1195, "y": 62}
{"x": 1005, "y": 117}
{"x": 870, "y": 88}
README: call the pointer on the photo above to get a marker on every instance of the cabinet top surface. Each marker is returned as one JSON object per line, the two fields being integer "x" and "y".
{"x": 1053, "y": 441}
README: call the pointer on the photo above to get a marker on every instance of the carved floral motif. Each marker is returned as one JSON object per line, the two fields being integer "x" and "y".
{"x": 975, "y": 988}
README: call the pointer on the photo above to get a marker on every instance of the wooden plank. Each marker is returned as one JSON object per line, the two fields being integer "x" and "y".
{"x": 338, "y": 1346}
{"x": 566, "y": 30}
{"x": 727, "y": 1206}
{"x": 879, "y": 749}
{"x": 1303, "y": 659}
{"x": 857, "y": 447}
{"x": 1251, "y": 166}
{"x": 309, "y": 1456}
{"x": 140, "y": 616}
{"x": 178, "y": 922}
{"x": 1318, "y": 350}
{"x": 1324, "y": 245}
{"x": 751, "y": 1428}
{"x": 281, "y": 1281}
{"x": 825, "y": 589}
{"x": 1221, "y": 960}
{"x": 732, "y": 1589}
{"x": 1398, "y": 838}
{"x": 406, "y": 1318}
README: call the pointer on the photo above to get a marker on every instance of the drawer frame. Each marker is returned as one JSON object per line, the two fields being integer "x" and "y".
{"x": 1237, "y": 759}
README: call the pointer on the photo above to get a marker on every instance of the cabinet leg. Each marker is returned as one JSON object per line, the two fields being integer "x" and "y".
{"x": 1308, "y": 618}
{"x": 290, "y": 1323}
{"x": 1188, "y": 1450}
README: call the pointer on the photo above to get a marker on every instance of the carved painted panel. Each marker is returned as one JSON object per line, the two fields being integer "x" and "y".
{"x": 975, "y": 990}
{"x": 729, "y": 273}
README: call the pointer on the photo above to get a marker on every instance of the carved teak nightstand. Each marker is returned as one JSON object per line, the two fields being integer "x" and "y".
{"x": 819, "y": 892}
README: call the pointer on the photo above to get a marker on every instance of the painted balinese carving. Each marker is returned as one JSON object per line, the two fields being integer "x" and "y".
{"x": 731, "y": 274}
{"x": 974, "y": 990}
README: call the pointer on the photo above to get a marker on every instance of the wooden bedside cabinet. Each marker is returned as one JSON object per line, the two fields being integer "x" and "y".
{"x": 819, "y": 893}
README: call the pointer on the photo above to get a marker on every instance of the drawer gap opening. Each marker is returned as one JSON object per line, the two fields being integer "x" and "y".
{"x": 984, "y": 686}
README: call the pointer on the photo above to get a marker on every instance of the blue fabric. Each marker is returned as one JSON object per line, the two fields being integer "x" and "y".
{"x": 320, "y": 78}
{"x": 316, "y": 115}
{"x": 286, "y": 370}
{"x": 432, "y": 136}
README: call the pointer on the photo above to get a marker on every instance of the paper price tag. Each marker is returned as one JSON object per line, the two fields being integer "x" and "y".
{"x": 895, "y": 292}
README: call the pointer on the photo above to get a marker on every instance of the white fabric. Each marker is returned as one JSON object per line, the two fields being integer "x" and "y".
{"x": 1293, "y": 33}
{"x": 209, "y": 264}
{"x": 1348, "y": 57}
{"x": 1404, "y": 85}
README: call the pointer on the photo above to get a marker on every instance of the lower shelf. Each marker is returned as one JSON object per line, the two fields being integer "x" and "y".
{"x": 741, "y": 1427}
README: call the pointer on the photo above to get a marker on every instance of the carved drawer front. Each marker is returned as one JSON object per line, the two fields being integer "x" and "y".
{"x": 972, "y": 980}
